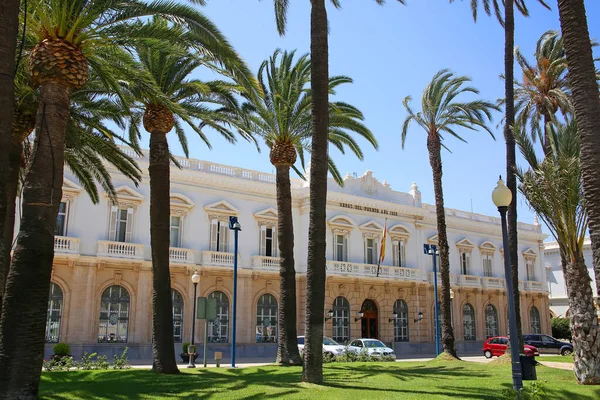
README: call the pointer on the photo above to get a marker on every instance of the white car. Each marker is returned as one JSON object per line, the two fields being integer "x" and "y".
{"x": 373, "y": 347}
{"x": 330, "y": 346}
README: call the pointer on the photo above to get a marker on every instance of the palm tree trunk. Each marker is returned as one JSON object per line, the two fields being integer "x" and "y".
{"x": 315, "y": 275}
{"x": 511, "y": 157}
{"x": 435, "y": 159}
{"x": 26, "y": 298}
{"x": 582, "y": 80}
{"x": 546, "y": 144}
{"x": 160, "y": 228}
{"x": 12, "y": 185}
{"x": 9, "y": 27}
{"x": 584, "y": 322}
{"x": 287, "y": 349}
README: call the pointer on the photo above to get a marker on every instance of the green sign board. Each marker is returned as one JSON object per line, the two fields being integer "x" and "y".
{"x": 206, "y": 308}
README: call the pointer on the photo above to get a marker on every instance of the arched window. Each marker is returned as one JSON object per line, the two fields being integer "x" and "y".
{"x": 55, "y": 301}
{"x": 340, "y": 322}
{"x": 114, "y": 315}
{"x": 177, "y": 302}
{"x": 491, "y": 321}
{"x": 534, "y": 320}
{"x": 468, "y": 322}
{"x": 266, "y": 319}
{"x": 401, "y": 322}
{"x": 218, "y": 329}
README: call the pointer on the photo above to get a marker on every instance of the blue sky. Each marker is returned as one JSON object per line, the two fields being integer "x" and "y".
{"x": 391, "y": 52}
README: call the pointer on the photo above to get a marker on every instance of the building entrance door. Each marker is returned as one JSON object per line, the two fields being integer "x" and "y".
{"x": 369, "y": 322}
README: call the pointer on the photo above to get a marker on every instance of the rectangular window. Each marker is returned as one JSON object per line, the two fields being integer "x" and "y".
{"x": 269, "y": 242}
{"x": 121, "y": 224}
{"x": 530, "y": 269}
{"x": 341, "y": 248}
{"x": 487, "y": 265}
{"x": 399, "y": 253}
{"x": 219, "y": 236}
{"x": 465, "y": 267}
{"x": 175, "y": 231}
{"x": 61, "y": 219}
{"x": 370, "y": 251}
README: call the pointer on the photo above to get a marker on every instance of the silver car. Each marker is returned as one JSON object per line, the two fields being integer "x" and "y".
{"x": 330, "y": 346}
{"x": 373, "y": 347}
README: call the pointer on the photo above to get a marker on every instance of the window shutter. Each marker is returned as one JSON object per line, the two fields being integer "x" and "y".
{"x": 275, "y": 250}
{"x": 263, "y": 240}
{"x": 180, "y": 241}
{"x": 214, "y": 226}
{"x": 129, "y": 227}
{"x": 395, "y": 253}
{"x": 345, "y": 250}
{"x": 375, "y": 248}
{"x": 66, "y": 227}
{"x": 468, "y": 263}
{"x": 223, "y": 237}
{"x": 112, "y": 227}
{"x": 402, "y": 253}
{"x": 365, "y": 240}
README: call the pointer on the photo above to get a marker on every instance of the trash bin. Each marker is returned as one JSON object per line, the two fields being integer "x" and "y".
{"x": 528, "y": 364}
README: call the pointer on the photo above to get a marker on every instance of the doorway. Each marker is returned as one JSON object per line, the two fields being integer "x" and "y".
{"x": 369, "y": 321}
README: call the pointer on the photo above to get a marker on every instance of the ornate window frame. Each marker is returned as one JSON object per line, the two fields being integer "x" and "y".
{"x": 530, "y": 257}
{"x": 126, "y": 199}
{"x": 399, "y": 236}
{"x": 218, "y": 215}
{"x": 341, "y": 225}
{"x": 371, "y": 230}
{"x": 465, "y": 250}
{"x": 267, "y": 219}
{"x": 487, "y": 249}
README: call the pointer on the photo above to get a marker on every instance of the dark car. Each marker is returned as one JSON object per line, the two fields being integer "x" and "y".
{"x": 547, "y": 344}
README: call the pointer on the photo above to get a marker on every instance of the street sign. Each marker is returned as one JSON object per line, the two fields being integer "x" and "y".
{"x": 206, "y": 308}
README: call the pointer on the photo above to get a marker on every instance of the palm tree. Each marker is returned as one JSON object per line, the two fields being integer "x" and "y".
{"x": 74, "y": 37}
{"x": 553, "y": 189}
{"x": 582, "y": 80}
{"x": 544, "y": 90}
{"x": 180, "y": 101}
{"x": 282, "y": 117}
{"x": 507, "y": 21}
{"x": 315, "y": 266}
{"x": 441, "y": 113}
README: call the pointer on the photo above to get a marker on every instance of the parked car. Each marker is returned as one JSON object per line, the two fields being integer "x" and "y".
{"x": 330, "y": 346}
{"x": 373, "y": 346}
{"x": 547, "y": 344}
{"x": 496, "y": 346}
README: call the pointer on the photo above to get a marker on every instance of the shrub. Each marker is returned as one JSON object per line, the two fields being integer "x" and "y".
{"x": 185, "y": 346}
{"x": 535, "y": 392}
{"x": 61, "y": 349}
{"x": 121, "y": 362}
{"x": 58, "y": 364}
{"x": 561, "y": 328}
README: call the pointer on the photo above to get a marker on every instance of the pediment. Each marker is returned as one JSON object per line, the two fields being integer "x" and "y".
{"x": 487, "y": 247}
{"x": 342, "y": 220}
{"x": 398, "y": 231}
{"x": 127, "y": 194}
{"x": 433, "y": 239}
{"x": 371, "y": 226}
{"x": 221, "y": 207}
{"x": 180, "y": 202}
{"x": 70, "y": 189}
{"x": 465, "y": 244}
{"x": 530, "y": 253}
{"x": 269, "y": 213}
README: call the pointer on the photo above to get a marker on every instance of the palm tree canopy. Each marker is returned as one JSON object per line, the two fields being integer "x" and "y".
{"x": 283, "y": 113}
{"x": 441, "y": 113}
{"x": 282, "y": 6}
{"x": 498, "y": 7}
{"x": 553, "y": 188}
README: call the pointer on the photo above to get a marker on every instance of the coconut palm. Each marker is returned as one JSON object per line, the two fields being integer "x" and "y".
{"x": 553, "y": 189}
{"x": 316, "y": 262}
{"x": 440, "y": 114}
{"x": 582, "y": 80}
{"x": 506, "y": 18}
{"x": 180, "y": 100}
{"x": 544, "y": 90}
{"x": 74, "y": 37}
{"x": 282, "y": 117}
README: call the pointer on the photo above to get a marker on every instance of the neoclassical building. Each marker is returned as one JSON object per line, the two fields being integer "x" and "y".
{"x": 101, "y": 292}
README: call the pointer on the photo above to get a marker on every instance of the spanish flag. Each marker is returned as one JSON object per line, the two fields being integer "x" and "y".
{"x": 383, "y": 240}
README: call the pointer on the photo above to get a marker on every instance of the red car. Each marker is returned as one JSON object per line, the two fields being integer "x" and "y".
{"x": 496, "y": 346}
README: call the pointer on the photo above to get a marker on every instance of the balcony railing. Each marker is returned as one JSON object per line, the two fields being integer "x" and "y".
{"x": 439, "y": 278}
{"x": 107, "y": 248}
{"x": 181, "y": 256}
{"x": 469, "y": 280}
{"x": 349, "y": 268}
{"x": 490, "y": 282}
{"x": 264, "y": 262}
{"x": 534, "y": 286}
{"x": 67, "y": 245}
{"x": 217, "y": 258}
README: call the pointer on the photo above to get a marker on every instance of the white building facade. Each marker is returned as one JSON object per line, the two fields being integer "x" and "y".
{"x": 102, "y": 285}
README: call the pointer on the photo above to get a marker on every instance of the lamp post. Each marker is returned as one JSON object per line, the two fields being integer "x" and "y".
{"x": 431, "y": 249}
{"x": 192, "y": 348}
{"x": 502, "y": 197}
{"x": 236, "y": 227}
{"x": 360, "y": 316}
{"x": 329, "y": 315}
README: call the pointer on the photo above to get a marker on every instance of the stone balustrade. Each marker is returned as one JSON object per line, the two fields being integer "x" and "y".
{"x": 491, "y": 282}
{"x": 439, "y": 278}
{"x": 181, "y": 256}
{"x": 534, "y": 286}
{"x": 469, "y": 280}
{"x": 386, "y": 271}
{"x": 107, "y": 248}
{"x": 217, "y": 258}
{"x": 67, "y": 245}
{"x": 266, "y": 263}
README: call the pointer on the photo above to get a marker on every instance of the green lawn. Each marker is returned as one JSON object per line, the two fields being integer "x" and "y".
{"x": 564, "y": 359}
{"x": 403, "y": 380}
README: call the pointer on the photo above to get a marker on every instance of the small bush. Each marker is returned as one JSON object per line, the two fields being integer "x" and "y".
{"x": 58, "y": 364}
{"x": 121, "y": 362}
{"x": 535, "y": 392}
{"x": 561, "y": 328}
{"x": 363, "y": 356}
{"x": 61, "y": 349}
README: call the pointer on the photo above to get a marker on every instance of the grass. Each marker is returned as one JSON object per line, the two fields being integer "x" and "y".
{"x": 563, "y": 359}
{"x": 405, "y": 380}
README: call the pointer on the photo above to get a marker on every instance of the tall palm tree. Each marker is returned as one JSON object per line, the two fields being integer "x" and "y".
{"x": 74, "y": 37}
{"x": 441, "y": 113}
{"x": 507, "y": 21}
{"x": 553, "y": 189}
{"x": 282, "y": 117}
{"x": 544, "y": 90}
{"x": 582, "y": 79}
{"x": 180, "y": 100}
{"x": 315, "y": 270}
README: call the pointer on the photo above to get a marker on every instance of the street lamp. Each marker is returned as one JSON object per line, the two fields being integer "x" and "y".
{"x": 502, "y": 197}
{"x": 419, "y": 317}
{"x": 192, "y": 348}
{"x": 360, "y": 315}
{"x": 236, "y": 227}
{"x": 329, "y": 315}
{"x": 431, "y": 249}
{"x": 394, "y": 317}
